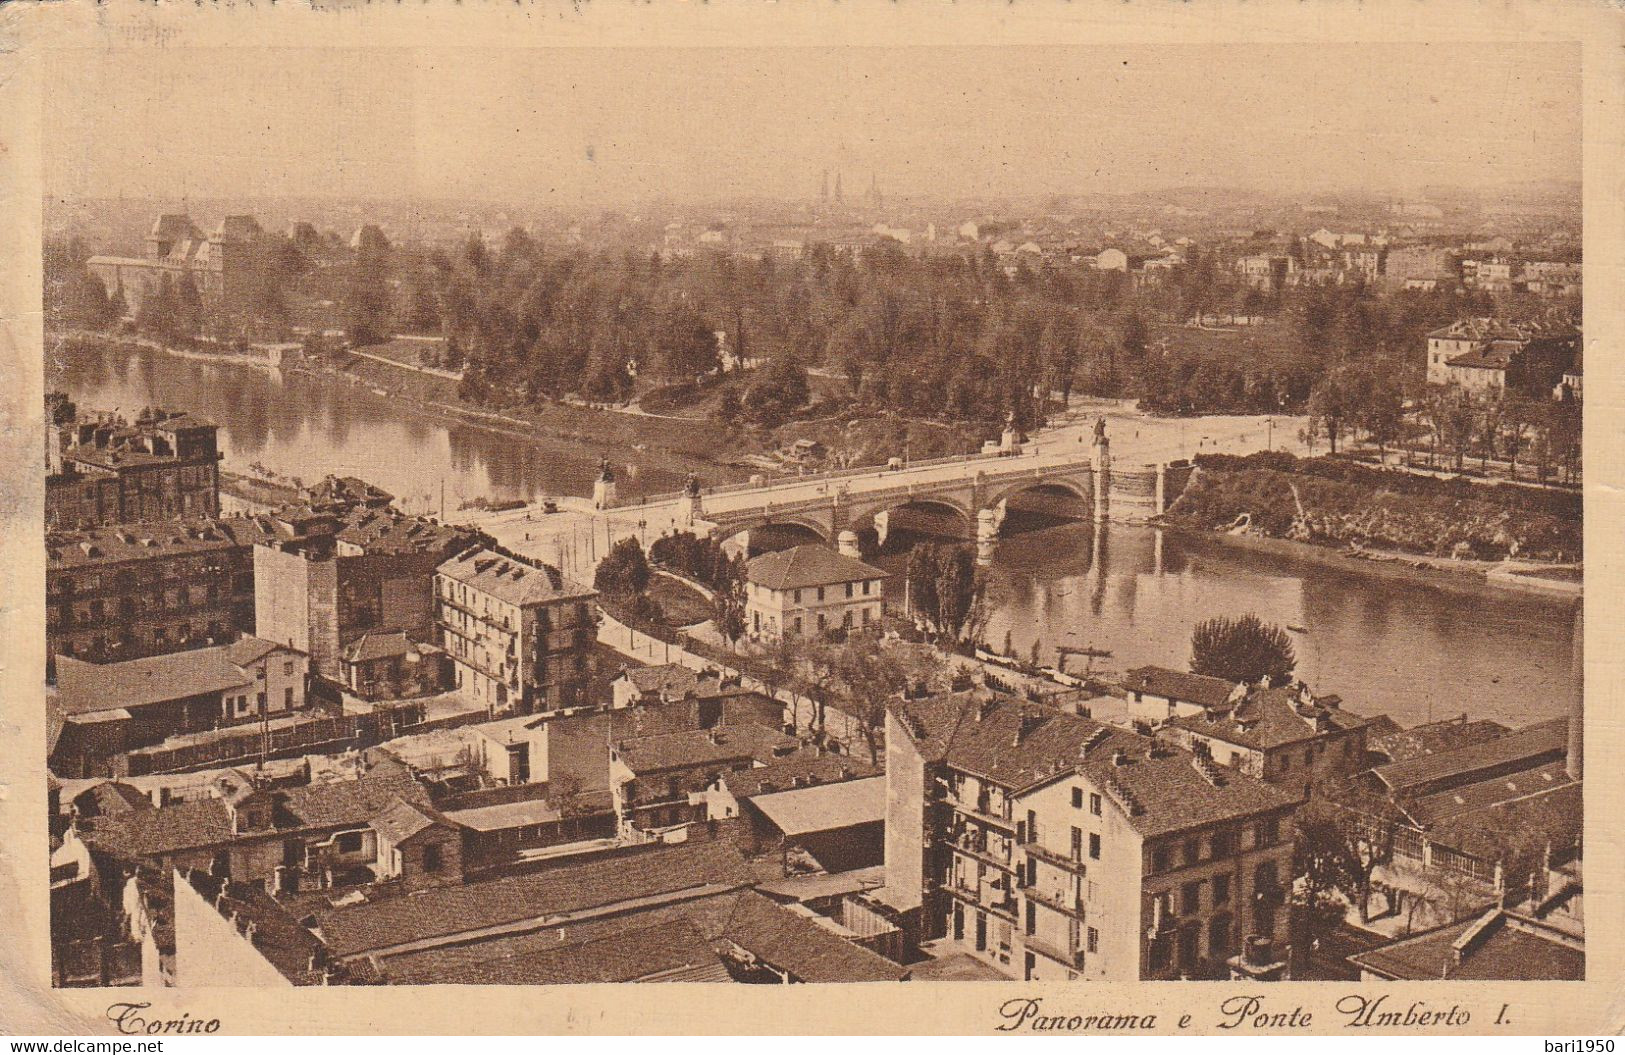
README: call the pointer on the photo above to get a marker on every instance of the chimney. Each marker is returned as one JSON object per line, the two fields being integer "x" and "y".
{"x": 1119, "y": 757}
{"x": 1576, "y": 752}
{"x": 846, "y": 544}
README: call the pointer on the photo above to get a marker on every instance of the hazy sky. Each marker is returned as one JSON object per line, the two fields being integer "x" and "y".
{"x": 600, "y": 126}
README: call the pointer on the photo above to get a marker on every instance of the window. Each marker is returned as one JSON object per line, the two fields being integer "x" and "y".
{"x": 849, "y": 589}
{"x": 287, "y": 667}
{"x": 1077, "y": 798}
{"x": 1032, "y": 917}
{"x": 820, "y": 593}
{"x": 431, "y": 858}
{"x": 795, "y": 596}
{"x": 1221, "y": 889}
{"x": 259, "y": 699}
{"x": 1190, "y": 898}
{"x": 1193, "y": 851}
{"x": 1158, "y": 954}
{"x": 287, "y": 698}
{"x": 1094, "y": 803}
{"x": 1222, "y": 844}
{"x": 1094, "y": 940}
{"x": 1077, "y": 844}
{"x": 866, "y": 584}
{"x": 1286, "y": 762}
{"x": 1159, "y": 859}
{"x": 349, "y": 842}
{"x": 1269, "y": 832}
{"x": 822, "y": 622}
{"x": 846, "y": 619}
{"x": 1094, "y": 846}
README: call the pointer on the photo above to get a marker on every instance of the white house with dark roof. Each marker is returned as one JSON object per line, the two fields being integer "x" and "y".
{"x": 808, "y": 590}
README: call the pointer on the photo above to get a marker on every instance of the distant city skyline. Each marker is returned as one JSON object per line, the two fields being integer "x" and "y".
{"x": 604, "y": 127}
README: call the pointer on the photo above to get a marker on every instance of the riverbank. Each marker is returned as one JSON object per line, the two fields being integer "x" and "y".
{"x": 1470, "y": 577}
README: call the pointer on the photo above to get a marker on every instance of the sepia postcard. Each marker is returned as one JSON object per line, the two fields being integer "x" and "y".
{"x": 993, "y": 519}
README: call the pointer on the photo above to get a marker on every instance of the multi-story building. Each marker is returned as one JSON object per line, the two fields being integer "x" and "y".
{"x": 808, "y": 590}
{"x": 1487, "y": 356}
{"x": 104, "y": 470}
{"x": 1053, "y": 847}
{"x": 657, "y": 781}
{"x": 143, "y": 589}
{"x": 325, "y": 577}
{"x": 519, "y": 635}
{"x": 1286, "y": 736}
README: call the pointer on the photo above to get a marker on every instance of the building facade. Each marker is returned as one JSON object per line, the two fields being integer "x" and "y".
{"x": 519, "y": 635}
{"x": 105, "y": 470}
{"x": 1052, "y": 847}
{"x": 810, "y": 590}
{"x": 227, "y": 267}
{"x": 143, "y": 589}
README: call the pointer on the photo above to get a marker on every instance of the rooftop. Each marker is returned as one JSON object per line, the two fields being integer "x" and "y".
{"x": 1270, "y": 718}
{"x": 561, "y": 893}
{"x": 139, "y": 541}
{"x": 510, "y": 580}
{"x": 673, "y": 681}
{"x": 1500, "y": 946}
{"x": 803, "y": 811}
{"x": 811, "y": 565}
{"x": 1021, "y": 746}
{"x": 1401, "y": 744}
{"x": 207, "y": 822}
{"x": 84, "y": 688}
{"x": 800, "y": 770}
{"x": 699, "y": 747}
{"x": 793, "y": 943}
{"x": 636, "y": 954}
{"x": 1418, "y": 775}
{"x": 1178, "y": 685}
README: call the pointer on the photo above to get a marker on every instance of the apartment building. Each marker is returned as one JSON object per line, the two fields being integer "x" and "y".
{"x": 1285, "y": 736}
{"x": 1053, "y": 847}
{"x": 125, "y": 591}
{"x": 520, "y": 635}
{"x": 103, "y": 469}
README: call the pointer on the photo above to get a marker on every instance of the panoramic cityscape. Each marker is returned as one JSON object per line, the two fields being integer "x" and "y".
{"x": 895, "y": 550}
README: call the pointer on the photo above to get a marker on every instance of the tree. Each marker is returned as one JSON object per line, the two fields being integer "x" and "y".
{"x": 1325, "y": 869}
{"x": 1333, "y": 405}
{"x": 1244, "y": 649}
{"x": 947, "y": 591}
{"x": 729, "y": 599}
{"x": 624, "y": 572}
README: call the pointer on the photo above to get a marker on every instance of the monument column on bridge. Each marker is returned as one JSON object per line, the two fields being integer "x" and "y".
{"x": 691, "y": 491}
{"x": 987, "y": 535}
{"x": 1101, "y": 459}
{"x": 603, "y": 489}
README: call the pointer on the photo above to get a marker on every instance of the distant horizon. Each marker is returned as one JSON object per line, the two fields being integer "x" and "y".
{"x": 616, "y": 127}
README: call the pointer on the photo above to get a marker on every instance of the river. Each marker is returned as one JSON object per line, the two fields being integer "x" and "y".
{"x": 306, "y": 426}
{"x": 1414, "y": 647}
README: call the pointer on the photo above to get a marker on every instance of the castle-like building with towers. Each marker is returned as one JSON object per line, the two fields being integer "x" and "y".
{"x": 227, "y": 266}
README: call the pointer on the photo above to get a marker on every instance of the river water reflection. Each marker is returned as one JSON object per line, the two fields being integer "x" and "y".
{"x": 1412, "y": 648}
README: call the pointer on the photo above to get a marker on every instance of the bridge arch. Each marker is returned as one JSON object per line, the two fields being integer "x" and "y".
{"x": 863, "y": 515}
{"x": 811, "y": 527}
{"x": 1067, "y": 485}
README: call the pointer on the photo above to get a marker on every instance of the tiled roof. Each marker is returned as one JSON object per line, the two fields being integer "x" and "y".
{"x": 803, "y": 566}
{"x": 1552, "y": 818}
{"x": 651, "y": 754}
{"x": 85, "y": 687}
{"x": 1501, "y": 948}
{"x": 139, "y": 541}
{"x": 632, "y": 955}
{"x": 673, "y": 680}
{"x": 391, "y": 531}
{"x": 1178, "y": 685}
{"x": 509, "y": 580}
{"x": 377, "y": 645}
{"x": 1402, "y": 744}
{"x": 802, "y": 811}
{"x": 277, "y": 935}
{"x": 798, "y": 770}
{"x": 1021, "y": 746}
{"x": 401, "y": 820}
{"x": 1267, "y": 719}
{"x": 445, "y": 911}
{"x": 1465, "y": 799}
{"x": 792, "y": 943}
{"x": 1427, "y": 772}
{"x": 207, "y": 822}
{"x": 250, "y": 649}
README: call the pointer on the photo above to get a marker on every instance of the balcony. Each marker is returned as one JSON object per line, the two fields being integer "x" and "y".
{"x": 1071, "y": 961}
{"x": 990, "y": 899}
{"x": 1070, "y": 864}
{"x": 979, "y": 812}
{"x": 980, "y": 852}
{"x": 1056, "y": 900}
